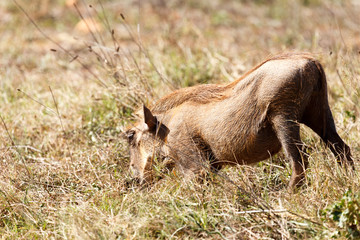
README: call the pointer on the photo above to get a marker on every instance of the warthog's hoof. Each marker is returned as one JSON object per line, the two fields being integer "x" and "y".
{"x": 296, "y": 183}
{"x": 132, "y": 182}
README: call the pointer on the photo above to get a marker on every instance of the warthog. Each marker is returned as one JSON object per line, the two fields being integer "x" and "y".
{"x": 243, "y": 122}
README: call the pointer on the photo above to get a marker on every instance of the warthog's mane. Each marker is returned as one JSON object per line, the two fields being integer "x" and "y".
{"x": 202, "y": 94}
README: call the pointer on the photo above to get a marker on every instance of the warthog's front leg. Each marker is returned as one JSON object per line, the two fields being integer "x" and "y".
{"x": 288, "y": 133}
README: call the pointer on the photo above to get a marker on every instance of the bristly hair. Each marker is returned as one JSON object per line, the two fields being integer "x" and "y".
{"x": 206, "y": 93}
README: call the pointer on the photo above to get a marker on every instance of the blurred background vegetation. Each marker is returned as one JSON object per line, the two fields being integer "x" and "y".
{"x": 71, "y": 81}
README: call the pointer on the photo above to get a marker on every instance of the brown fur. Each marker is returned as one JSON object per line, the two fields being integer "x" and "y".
{"x": 211, "y": 92}
{"x": 243, "y": 122}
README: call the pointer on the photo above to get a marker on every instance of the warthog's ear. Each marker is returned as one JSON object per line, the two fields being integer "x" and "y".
{"x": 154, "y": 125}
{"x": 149, "y": 118}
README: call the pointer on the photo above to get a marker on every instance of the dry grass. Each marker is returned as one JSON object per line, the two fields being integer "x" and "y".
{"x": 63, "y": 164}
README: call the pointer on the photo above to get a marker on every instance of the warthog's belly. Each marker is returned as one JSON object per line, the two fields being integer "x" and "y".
{"x": 256, "y": 148}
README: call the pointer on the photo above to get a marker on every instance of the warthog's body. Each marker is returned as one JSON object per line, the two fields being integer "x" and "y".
{"x": 243, "y": 122}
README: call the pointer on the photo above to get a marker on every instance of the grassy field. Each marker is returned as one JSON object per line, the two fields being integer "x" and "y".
{"x": 67, "y": 93}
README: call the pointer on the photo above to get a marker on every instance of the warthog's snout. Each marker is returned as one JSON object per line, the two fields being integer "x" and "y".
{"x": 135, "y": 174}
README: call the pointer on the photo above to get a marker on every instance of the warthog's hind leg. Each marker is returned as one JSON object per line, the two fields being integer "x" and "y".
{"x": 328, "y": 133}
{"x": 335, "y": 143}
{"x": 288, "y": 133}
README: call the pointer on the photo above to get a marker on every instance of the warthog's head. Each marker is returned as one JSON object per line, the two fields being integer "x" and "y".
{"x": 146, "y": 141}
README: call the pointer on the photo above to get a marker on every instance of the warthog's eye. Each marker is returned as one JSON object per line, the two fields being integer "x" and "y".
{"x": 130, "y": 135}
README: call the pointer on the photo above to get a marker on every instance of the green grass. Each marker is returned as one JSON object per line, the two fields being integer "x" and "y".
{"x": 63, "y": 161}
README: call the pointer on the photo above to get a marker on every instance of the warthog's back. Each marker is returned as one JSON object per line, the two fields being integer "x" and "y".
{"x": 283, "y": 65}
